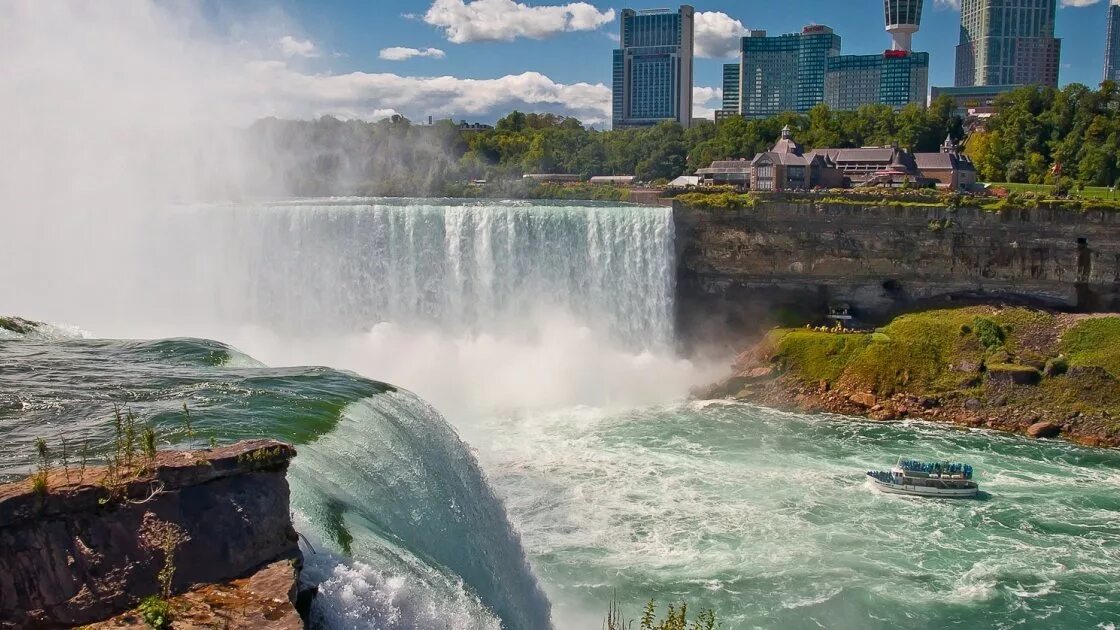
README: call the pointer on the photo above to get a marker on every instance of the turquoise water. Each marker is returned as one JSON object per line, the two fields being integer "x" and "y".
{"x": 766, "y": 517}
{"x": 564, "y": 465}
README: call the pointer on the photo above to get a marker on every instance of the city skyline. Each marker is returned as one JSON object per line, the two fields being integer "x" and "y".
{"x": 551, "y": 55}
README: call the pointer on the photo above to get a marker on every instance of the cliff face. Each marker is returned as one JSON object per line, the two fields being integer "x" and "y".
{"x": 76, "y": 554}
{"x": 741, "y": 271}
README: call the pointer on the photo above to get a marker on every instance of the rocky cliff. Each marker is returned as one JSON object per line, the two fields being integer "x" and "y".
{"x": 81, "y": 551}
{"x": 741, "y": 271}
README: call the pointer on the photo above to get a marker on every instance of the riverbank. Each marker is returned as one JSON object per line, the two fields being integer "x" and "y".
{"x": 1020, "y": 370}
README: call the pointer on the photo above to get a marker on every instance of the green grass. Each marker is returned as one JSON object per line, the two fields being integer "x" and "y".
{"x": 915, "y": 352}
{"x": 1090, "y": 192}
{"x": 817, "y": 356}
{"x": 1094, "y": 342}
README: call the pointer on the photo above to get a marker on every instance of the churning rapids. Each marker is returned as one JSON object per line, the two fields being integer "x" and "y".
{"x": 543, "y": 334}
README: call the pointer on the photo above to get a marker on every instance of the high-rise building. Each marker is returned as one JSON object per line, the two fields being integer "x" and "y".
{"x": 731, "y": 80}
{"x": 1112, "y": 45}
{"x": 896, "y": 78}
{"x": 903, "y": 18}
{"x": 1008, "y": 42}
{"x": 653, "y": 68}
{"x": 785, "y": 73}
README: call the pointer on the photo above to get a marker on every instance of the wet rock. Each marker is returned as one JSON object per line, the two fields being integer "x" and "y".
{"x": 759, "y": 373}
{"x": 1044, "y": 430}
{"x": 864, "y": 399}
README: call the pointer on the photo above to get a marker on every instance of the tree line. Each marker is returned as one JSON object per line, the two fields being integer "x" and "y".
{"x": 1043, "y": 135}
{"x": 1036, "y": 128}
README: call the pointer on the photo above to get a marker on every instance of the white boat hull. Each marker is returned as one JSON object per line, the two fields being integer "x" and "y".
{"x": 924, "y": 491}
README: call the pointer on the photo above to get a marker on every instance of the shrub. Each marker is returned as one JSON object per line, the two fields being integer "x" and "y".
{"x": 719, "y": 201}
{"x": 156, "y": 612}
{"x": 989, "y": 333}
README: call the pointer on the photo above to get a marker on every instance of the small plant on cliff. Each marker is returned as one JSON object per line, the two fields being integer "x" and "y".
{"x": 39, "y": 479}
{"x": 148, "y": 444}
{"x": 156, "y": 612}
{"x": 675, "y": 619}
{"x": 65, "y": 457}
{"x": 83, "y": 459}
{"x": 187, "y": 426}
{"x": 166, "y": 538}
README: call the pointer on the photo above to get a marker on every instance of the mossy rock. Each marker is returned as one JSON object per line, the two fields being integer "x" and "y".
{"x": 1012, "y": 374}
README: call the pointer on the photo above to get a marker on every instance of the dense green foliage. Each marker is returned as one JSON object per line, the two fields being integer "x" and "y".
{"x": 1039, "y": 127}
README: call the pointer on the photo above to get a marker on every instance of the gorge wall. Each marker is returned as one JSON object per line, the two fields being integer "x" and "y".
{"x": 77, "y": 553}
{"x": 741, "y": 271}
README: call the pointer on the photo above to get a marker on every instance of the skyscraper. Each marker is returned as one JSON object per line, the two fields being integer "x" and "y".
{"x": 653, "y": 68}
{"x": 785, "y": 73}
{"x": 903, "y": 18}
{"x": 731, "y": 81}
{"x": 896, "y": 78}
{"x": 1008, "y": 42}
{"x": 1112, "y": 45}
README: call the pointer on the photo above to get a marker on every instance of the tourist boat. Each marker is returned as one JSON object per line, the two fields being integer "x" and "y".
{"x": 926, "y": 479}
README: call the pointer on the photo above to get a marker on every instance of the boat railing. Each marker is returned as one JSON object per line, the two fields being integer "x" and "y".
{"x": 940, "y": 469}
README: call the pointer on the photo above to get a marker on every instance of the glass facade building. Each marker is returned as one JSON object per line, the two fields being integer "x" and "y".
{"x": 731, "y": 81}
{"x": 1112, "y": 44}
{"x": 652, "y": 70}
{"x": 1008, "y": 42}
{"x": 895, "y": 78}
{"x": 785, "y": 73}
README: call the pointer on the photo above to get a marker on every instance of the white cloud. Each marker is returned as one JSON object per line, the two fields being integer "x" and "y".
{"x": 466, "y": 21}
{"x": 717, "y": 35}
{"x": 292, "y": 47}
{"x": 400, "y": 53}
{"x": 281, "y": 91}
{"x": 705, "y": 101}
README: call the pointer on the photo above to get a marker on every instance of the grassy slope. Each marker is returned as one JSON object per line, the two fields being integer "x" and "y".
{"x": 950, "y": 353}
{"x": 1090, "y": 192}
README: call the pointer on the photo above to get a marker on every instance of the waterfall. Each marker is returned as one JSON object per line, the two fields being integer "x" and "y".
{"x": 460, "y": 267}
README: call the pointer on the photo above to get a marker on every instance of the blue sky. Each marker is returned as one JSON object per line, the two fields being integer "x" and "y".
{"x": 397, "y": 44}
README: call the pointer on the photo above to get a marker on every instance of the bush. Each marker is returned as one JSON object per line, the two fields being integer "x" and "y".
{"x": 156, "y": 612}
{"x": 719, "y": 201}
{"x": 989, "y": 333}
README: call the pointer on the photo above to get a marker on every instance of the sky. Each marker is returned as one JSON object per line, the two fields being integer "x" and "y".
{"x": 479, "y": 59}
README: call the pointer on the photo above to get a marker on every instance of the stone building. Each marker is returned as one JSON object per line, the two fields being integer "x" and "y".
{"x": 948, "y": 168}
{"x": 787, "y": 167}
